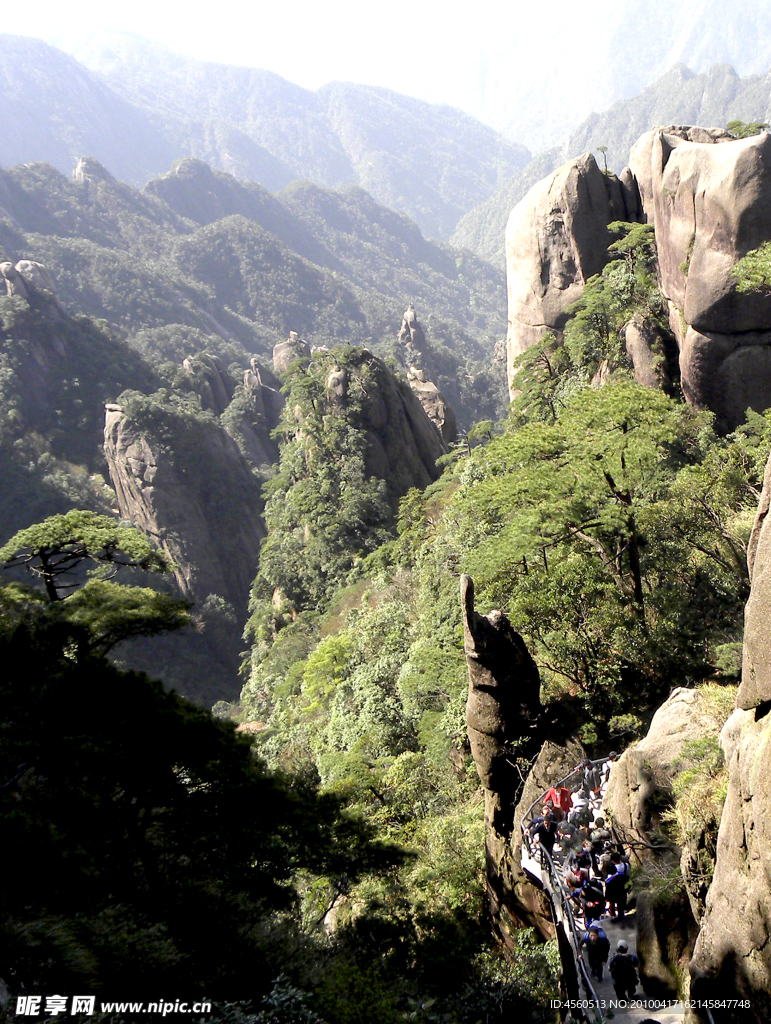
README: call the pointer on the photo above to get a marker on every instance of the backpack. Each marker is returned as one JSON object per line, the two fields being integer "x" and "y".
{"x": 623, "y": 966}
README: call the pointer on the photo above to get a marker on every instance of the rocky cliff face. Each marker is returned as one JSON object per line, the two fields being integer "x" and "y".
{"x": 732, "y": 959}
{"x": 556, "y": 239}
{"x": 639, "y": 796}
{"x": 709, "y": 198}
{"x": 502, "y": 715}
{"x": 187, "y": 485}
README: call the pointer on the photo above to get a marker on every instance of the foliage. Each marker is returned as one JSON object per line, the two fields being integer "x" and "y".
{"x": 745, "y": 129}
{"x": 323, "y": 510}
{"x": 753, "y": 271}
{"x": 179, "y": 864}
{"x": 55, "y": 549}
{"x": 550, "y": 372}
{"x": 615, "y": 538}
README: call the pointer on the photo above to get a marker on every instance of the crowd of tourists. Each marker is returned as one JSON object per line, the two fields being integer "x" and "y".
{"x": 595, "y": 868}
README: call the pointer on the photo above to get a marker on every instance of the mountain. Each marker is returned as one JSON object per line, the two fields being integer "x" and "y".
{"x": 199, "y": 251}
{"x": 679, "y": 97}
{"x": 430, "y": 162}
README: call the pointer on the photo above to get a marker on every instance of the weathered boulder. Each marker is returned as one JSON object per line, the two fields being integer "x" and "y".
{"x": 436, "y": 406}
{"x": 197, "y": 497}
{"x": 289, "y": 351}
{"x": 640, "y": 785}
{"x": 732, "y": 958}
{"x": 556, "y": 239}
{"x": 29, "y": 279}
{"x": 710, "y": 205}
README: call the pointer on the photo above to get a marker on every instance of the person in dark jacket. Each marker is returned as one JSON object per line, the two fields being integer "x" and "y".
{"x": 597, "y": 950}
{"x": 600, "y": 835}
{"x": 544, "y": 830}
{"x": 623, "y": 971}
{"x": 616, "y": 887}
{"x": 590, "y": 783}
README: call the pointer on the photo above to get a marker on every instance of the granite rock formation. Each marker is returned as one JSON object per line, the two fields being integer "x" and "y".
{"x": 503, "y": 708}
{"x": 639, "y": 794}
{"x": 200, "y": 502}
{"x": 402, "y": 444}
{"x": 708, "y": 196}
{"x": 289, "y": 351}
{"x": 732, "y": 958}
{"x": 31, "y": 280}
{"x": 556, "y": 239}
{"x": 436, "y": 406}
{"x": 411, "y": 336}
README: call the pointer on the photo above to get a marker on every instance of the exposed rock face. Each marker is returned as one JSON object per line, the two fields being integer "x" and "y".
{"x": 215, "y": 384}
{"x": 402, "y": 442}
{"x": 28, "y": 279}
{"x": 643, "y": 775}
{"x": 732, "y": 958}
{"x": 88, "y": 170}
{"x": 639, "y": 792}
{"x": 709, "y": 198}
{"x": 436, "y": 406}
{"x": 411, "y": 335}
{"x": 248, "y": 416}
{"x": 503, "y": 706}
{"x": 556, "y": 239}
{"x": 646, "y": 349}
{"x": 287, "y": 352}
{"x": 201, "y": 503}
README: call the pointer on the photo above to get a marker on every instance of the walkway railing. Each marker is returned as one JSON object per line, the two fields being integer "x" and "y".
{"x": 536, "y": 861}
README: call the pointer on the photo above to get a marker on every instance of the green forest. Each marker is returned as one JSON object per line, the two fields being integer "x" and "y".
{"x": 313, "y": 850}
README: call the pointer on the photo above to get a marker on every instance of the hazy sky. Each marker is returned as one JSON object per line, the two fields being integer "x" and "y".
{"x": 522, "y": 67}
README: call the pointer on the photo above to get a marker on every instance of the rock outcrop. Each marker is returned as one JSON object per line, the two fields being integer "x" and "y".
{"x": 639, "y": 794}
{"x": 556, "y": 239}
{"x": 502, "y": 709}
{"x": 402, "y": 444}
{"x": 249, "y": 410}
{"x": 31, "y": 280}
{"x": 411, "y": 337}
{"x": 289, "y": 351}
{"x": 196, "y": 496}
{"x": 732, "y": 959}
{"x": 436, "y": 406}
{"x": 708, "y": 196}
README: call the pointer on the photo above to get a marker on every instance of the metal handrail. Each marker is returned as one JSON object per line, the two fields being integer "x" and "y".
{"x": 558, "y": 888}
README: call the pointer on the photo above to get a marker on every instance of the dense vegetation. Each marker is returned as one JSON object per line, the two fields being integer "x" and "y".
{"x": 343, "y": 848}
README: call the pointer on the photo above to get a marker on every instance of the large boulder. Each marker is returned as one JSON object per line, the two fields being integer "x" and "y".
{"x": 732, "y": 958}
{"x": 556, "y": 239}
{"x": 289, "y": 351}
{"x": 709, "y": 198}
